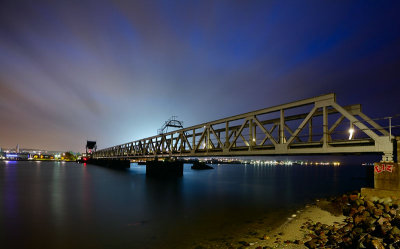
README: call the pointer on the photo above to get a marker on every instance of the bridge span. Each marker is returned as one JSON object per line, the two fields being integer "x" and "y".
{"x": 316, "y": 125}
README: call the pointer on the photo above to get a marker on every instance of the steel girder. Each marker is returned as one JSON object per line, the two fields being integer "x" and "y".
{"x": 277, "y": 130}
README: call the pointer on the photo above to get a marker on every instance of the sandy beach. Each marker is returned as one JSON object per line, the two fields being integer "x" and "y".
{"x": 292, "y": 230}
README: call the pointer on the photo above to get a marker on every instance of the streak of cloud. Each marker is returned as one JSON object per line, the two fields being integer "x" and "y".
{"x": 114, "y": 71}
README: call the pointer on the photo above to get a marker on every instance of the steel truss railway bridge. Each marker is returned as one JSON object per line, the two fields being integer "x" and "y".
{"x": 316, "y": 125}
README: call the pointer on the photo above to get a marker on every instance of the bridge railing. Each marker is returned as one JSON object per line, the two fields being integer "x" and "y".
{"x": 311, "y": 126}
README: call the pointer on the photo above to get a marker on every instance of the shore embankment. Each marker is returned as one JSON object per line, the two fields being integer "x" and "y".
{"x": 347, "y": 221}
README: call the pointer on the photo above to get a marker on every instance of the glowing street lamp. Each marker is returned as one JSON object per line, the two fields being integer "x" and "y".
{"x": 351, "y": 131}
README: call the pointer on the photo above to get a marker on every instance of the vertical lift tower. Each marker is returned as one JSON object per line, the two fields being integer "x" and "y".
{"x": 91, "y": 147}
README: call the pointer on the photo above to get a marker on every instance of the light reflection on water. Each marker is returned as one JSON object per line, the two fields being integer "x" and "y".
{"x": 70, "y": 205}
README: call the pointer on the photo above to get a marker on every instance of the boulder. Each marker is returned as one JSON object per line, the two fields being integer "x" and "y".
{"x": 377, "y": 244}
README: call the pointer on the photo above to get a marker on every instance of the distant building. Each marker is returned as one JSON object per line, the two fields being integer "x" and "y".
{"x": 16, "y": 156}
{"x": 22, "y": 153}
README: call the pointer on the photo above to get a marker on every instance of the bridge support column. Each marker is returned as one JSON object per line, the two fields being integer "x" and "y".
{"x": 386, "y": 175}
{"x": 164, "y": 168}
{"x": 111, "y": 163}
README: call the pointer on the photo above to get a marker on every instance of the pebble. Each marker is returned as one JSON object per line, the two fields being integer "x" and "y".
{"x": 265, "y": 237}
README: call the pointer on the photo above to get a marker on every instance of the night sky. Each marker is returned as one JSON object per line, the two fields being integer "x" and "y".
{"x": 114, "y": 71}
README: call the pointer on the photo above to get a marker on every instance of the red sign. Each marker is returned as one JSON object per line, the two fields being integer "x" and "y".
{"x": 383, "y": 167}
{"x": 377, "y": 168}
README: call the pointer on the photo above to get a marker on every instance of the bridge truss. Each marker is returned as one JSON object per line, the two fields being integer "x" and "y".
{"x": 311, "y": 126}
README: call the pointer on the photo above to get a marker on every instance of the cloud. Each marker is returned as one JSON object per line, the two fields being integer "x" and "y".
{"x": 115, "y": 70}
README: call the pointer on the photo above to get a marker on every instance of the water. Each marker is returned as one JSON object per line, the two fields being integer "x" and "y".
{"x": 70, "y": 205}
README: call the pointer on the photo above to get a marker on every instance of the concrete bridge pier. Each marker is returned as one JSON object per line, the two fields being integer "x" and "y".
{"x": 110, "y": 163}
{"x": 164, "y": 168}
{"x": 386, "y": 176}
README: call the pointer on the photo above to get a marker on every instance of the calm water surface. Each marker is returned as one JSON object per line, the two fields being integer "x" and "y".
{"x": 71, "y": 205}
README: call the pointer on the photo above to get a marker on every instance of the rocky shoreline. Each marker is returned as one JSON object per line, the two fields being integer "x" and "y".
{"x": 369, "y": 223}
{"x": 200, "y": 166}
{"x": 347, "y": 221}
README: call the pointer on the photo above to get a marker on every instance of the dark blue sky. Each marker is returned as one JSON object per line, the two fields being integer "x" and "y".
{"x": 114, "y": 71}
